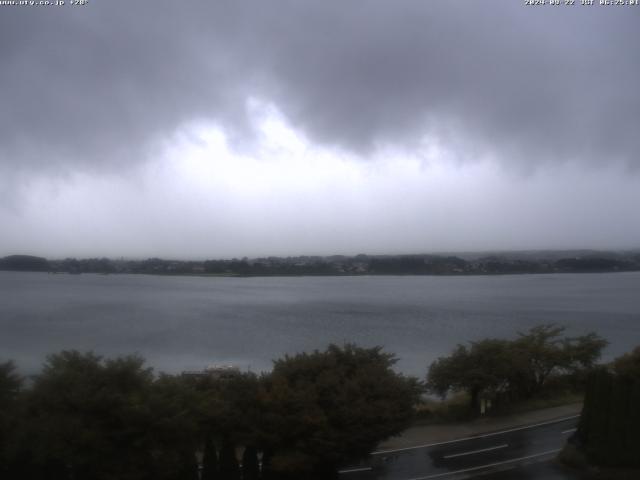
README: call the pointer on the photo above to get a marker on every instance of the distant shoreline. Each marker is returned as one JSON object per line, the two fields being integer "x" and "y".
{"x": 298, "y": 275}
{"x": 341, "y": 265}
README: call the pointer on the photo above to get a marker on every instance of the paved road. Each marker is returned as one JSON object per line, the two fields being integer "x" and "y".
{"x": 534, "y": 471}
{"x": 513, "y": 453}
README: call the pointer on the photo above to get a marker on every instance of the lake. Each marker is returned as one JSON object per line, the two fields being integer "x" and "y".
{"x": 180, "y": 323}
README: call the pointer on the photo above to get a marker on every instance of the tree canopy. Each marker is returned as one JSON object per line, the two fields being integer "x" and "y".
{"x": 85, "y": 416}
{"x": 518, "y": 368}
{"x": 627, "y": 366}
{"x": 89, "y": 417}
{"x": 331, "y": 406}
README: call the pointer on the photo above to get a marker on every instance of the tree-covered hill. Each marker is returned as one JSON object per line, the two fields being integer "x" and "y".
{"x": 24, "y": 263}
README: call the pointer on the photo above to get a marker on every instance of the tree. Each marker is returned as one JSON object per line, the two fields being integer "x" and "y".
{"x": 229, "y": 467}
{"x": 98, "y": 418}
{"x": 175, "y": 430}
{"x": 610, "y": 420}
{"x": 627, "y": 366}
{"x": 209, "y": 461}
{"x": 187, "y": 466}
{"x": 518, "y": 368}
{"x": 542, "y": 351}
{"x": 91, "y": 414}
{"x": 228, "y": 412}
{"x": 483, "y": 368}
{"x": 328, "y": 407}
{"x": 250, "y": 467}
{"x": 228, "y": 407}
{"x": 10, "y": 385}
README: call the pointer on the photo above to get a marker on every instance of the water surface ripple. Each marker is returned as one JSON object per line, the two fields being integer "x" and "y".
{"x": 188, "y": 322}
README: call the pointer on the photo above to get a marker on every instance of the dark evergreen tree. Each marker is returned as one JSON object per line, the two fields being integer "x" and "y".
{"x": 610, "y": 420}
{"x": 188, "y": 469}
{"x": 250, "y": 469}
{"x": 10, "y": 384}
{"x": 210, "y": 469}
{"x": 229, "y": 467}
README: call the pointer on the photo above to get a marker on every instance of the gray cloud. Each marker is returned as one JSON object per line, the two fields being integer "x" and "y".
{"x": 330, "y": 207}
{"x": 92, "y": 87}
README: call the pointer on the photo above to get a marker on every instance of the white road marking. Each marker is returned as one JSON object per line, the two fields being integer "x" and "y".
{"x": 568, "y": 431}
{"x": 354, "y": 470}
{"x": 476, "y": 451}
{"x": 489, "y": 465}
{"x": 485, "y": 435}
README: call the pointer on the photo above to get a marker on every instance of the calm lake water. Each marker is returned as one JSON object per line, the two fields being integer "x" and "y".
{"x": 188, "y": 322}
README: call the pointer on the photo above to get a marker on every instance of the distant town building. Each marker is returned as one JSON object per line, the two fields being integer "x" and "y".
{"x": 215, "y": 372}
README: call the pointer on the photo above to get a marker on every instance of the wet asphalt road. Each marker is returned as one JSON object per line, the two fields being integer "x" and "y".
{"x": 546, "y": 470}
{"x": 510, "y": 454}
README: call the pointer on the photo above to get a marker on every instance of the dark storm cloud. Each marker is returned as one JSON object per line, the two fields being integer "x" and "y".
{"x": 92, "y": 86}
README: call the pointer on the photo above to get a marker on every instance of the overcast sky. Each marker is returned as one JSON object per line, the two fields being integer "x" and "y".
{"x": 208, "y": 129}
